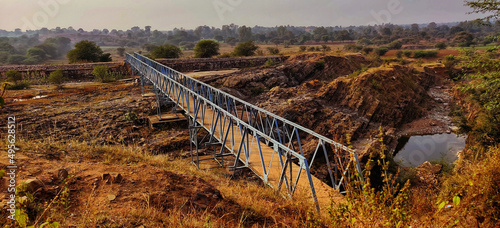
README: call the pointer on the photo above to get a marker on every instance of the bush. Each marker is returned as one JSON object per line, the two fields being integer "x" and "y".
{"x": 440, "y": 45}
{"x": 424, "y": 54}
{"x": 386, "y": 205}
{"x": 166, "y": 51}
{"x": 18, "y": 86}
{"x": 57, "y": 78}
{"x": 269, "y": 63}
{"x": 302, "y": 48}
{"x": 14, "y": 76}
{"x": 206, "y": 49}
{"x": 245, "y": 49}
{"x": 353, "y": 47}
{"x": 102, "y": 74}
{"x": 395, "y": 45}
{"x": 399, "y": 54}
{"x": 311, "y": 49}
{"x": 225, "y": 55}
{"x": 273, "y": 50}
{"x": 381, "y": 51}
{"x": 407, "y": 53}
{"x": 326, "y": 48}
{"x": 367, "y": 50}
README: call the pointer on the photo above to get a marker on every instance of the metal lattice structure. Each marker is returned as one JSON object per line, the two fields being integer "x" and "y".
{"x": 271, "y": 146}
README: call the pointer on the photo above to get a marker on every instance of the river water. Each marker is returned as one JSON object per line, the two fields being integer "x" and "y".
{"x": 415, "y": 150}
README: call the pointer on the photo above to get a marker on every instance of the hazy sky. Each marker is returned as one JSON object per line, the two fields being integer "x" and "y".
{"x": 168, "y": 14}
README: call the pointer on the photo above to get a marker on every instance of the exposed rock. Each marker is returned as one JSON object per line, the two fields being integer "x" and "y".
{"x": 427, "y": 173}
{"x": 62, "y": 174}
{"x": 33, "y": 185}
{"x": 111, "y": 197}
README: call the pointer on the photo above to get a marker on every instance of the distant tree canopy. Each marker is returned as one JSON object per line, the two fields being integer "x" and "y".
{"x": 166, "y": 51}
{"x": 87, "y": 51}
{"x": 245, "y": 49}
{"x": 206, "y": 49}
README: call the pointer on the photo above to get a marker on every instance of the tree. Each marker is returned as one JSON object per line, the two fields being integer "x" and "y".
{"x": 485, "y": 6}
{"x": 121, "y": 51}
{"x": 166, "y": 51}
{"x": 87, "y": 51}
{"x": 206, "y": 49}
{"x": 245, "y": 49}
{"x": 245, "y": 33}
{"x": 464, "y": 39}
{"x": 16, "y": 59}
{"x": 36, "y": 53}
{"x": 14, "y": 76}
{"x": 57, "y": 78}
{"x": 62, "y": 45}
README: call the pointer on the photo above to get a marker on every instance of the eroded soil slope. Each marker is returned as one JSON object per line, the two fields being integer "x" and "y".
{"x": 338, "y": 96}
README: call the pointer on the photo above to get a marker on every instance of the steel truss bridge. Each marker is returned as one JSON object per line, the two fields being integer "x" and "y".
{"x": 269, "y": 145}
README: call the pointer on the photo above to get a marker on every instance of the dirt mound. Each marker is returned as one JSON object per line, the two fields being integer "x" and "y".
{"x": 322, "y": 67}
{"x": 299, "y": 69}
{"x": 390, "y": 96}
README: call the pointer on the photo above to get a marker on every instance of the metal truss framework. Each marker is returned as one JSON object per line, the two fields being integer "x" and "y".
{"x": 268, "y": 144}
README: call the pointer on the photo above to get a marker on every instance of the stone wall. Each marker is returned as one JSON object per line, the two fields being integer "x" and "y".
{"x": 209, "y": 64}
{"x": 72, "y": 71}
{"x": 84, "y": 71}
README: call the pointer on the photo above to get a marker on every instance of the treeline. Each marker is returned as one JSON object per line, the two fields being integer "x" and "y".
{"x": 28, "y": 49}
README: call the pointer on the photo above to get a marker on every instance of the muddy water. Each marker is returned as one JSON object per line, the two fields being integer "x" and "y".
{"x": 415, "y": 150}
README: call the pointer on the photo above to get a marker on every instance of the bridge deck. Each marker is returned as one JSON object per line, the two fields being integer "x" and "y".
{"x": 325, "y": 194}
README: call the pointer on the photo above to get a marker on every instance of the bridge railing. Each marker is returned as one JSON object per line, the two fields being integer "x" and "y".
{"x": 284, "y": 136}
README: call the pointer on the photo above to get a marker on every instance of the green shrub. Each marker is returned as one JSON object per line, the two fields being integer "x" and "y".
{"x": 269, "y": 63}
{"x": 18, "y": 86}
{"x": 166, "y": 51}
{"x": 103, "y": 74}
{"x": 57, "y": 78}
{"x": 440, "y": 45}
{"x": 424, "y": 54}
{"x": 381, "y": 51}
{"x": 14, "y": 76}
{"x": 367, "y": 50}
{"x": 353, "y": 47}
{"x": 399, "y": 54}
{"x": 206, "y": 49}
{"x": 245, "y": 49}
{"x": 326, "y": 48}
{"x": 407, "y": 53}
{"x": 273, "y": 50}
{"x": 302, "y": 48}
{"x": 395, "y": 45}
